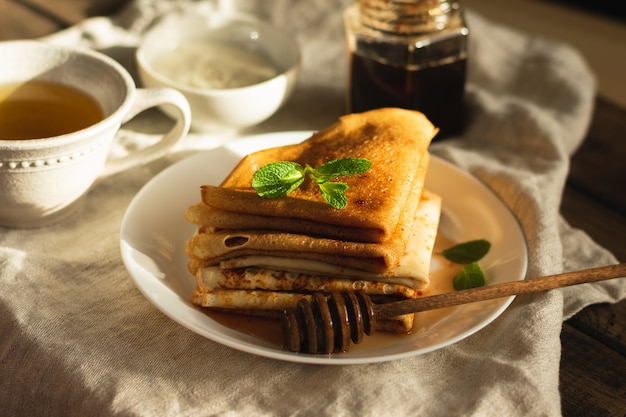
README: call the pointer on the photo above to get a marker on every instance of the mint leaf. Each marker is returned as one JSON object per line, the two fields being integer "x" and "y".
{"x": 334, "y": 194}
{"x": 471, "y": 276}
{"x": 467, "y": 252}
{"x": 339, "y": 168}
{"x": 277, "y": 179}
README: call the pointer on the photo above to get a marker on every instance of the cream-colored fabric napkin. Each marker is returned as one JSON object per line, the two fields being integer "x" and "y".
{"x": 77, "y": 338}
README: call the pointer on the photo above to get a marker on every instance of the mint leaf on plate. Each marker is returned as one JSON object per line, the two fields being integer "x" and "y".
{"x": 465, "y": 253}
{"x": 471, "y": 276}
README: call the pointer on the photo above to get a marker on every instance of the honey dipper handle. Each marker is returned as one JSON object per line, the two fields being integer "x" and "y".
{"x": 506, "y": 289}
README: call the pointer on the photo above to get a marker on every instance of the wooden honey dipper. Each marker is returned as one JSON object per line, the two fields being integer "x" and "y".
{"x": 328, "y": 322}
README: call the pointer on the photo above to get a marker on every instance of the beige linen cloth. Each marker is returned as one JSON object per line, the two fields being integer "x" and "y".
{"x": 78, "y": 339}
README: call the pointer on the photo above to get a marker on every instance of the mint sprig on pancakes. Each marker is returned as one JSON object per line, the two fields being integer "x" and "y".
{"x": 277, "y": 179}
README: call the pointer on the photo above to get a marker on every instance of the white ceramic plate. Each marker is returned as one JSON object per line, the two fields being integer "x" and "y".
{"x": 154, "y": 231}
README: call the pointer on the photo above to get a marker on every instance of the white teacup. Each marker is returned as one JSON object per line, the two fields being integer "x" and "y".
{"x": 44, "y": 175}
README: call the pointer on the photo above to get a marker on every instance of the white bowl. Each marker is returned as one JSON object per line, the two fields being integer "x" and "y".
{"x": 199, "y": 34}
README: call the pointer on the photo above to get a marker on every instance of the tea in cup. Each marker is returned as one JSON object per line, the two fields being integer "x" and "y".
{"x": 60, "y": 111}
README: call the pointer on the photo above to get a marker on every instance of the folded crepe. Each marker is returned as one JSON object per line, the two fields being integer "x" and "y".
{"x": 255, "y": 254}
{"x": 213, "y": 245}
{"x": 261, "y": 284}
{"x": 395, "y": 141}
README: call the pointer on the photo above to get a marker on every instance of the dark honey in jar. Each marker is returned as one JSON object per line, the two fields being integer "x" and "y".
{"x": 410, "y": 54}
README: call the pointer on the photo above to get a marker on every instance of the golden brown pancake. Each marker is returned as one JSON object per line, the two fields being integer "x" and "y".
{"x": 213, "y": 246}
{"x": 261, "y": 255}
{"x": 394, "y": 140}
{"x": 271, "y": 282}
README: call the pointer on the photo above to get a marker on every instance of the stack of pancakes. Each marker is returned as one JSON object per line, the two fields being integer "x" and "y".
{"x": 257, "y": 256}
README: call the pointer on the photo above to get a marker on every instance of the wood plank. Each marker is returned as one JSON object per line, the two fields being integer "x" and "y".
{"x": 593, "y": 377}
{"x": 72, "y": 12}
{"x": 20, "y": 22}
{"x": 611, "y": 10}
{"x": 593, "y": 365}
{"x": 29, "y": 19}
{"x": 605, "y": 225}
{"x": 605, "y": 323}
{"x": 600, "y": 40}
{"x": 598, "y": 168}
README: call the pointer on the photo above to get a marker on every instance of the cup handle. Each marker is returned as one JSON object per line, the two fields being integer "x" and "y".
{"x": 144, "y": 99}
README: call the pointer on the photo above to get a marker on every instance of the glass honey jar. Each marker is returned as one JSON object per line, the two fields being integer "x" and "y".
{"x": 410, "y": 54}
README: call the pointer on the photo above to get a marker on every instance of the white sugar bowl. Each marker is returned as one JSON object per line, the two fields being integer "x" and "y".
{"x": 235, "y": 71}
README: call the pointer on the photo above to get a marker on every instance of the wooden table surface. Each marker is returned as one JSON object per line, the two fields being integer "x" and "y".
{"x": 593, "y": 363}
